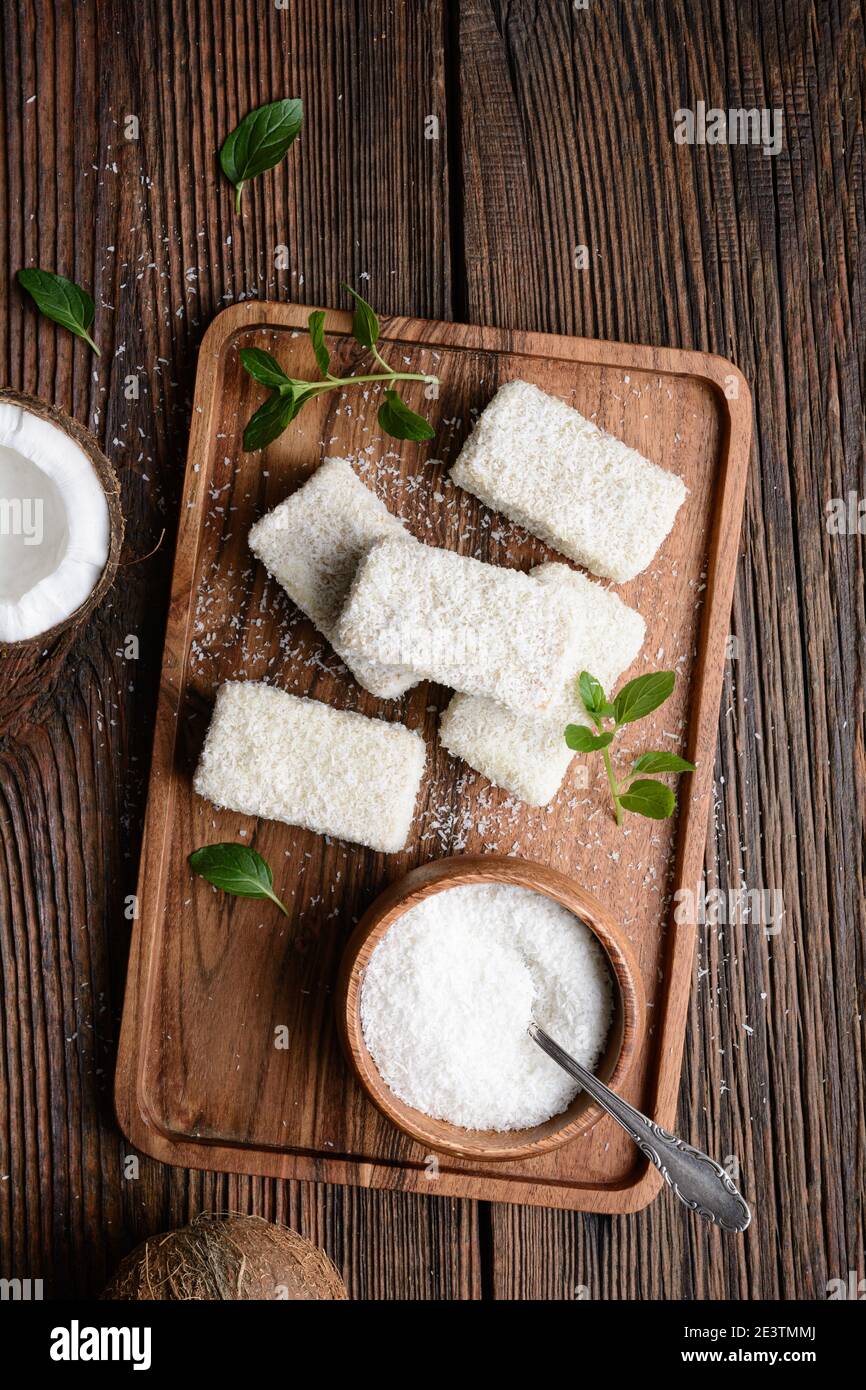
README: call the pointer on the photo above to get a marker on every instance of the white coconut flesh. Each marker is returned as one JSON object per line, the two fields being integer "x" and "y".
{"x": 55, "y": 529}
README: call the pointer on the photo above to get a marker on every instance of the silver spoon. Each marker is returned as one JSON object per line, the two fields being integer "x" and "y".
{"x": 696, "y": 1178}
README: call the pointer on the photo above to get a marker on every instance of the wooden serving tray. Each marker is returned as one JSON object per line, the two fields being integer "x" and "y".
{"x": 216, "y": 983}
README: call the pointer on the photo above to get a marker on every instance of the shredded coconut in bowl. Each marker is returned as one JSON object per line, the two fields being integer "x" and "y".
{"x": 449, "y": 992}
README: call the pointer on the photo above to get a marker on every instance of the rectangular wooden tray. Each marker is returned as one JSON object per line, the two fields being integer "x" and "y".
{"x": 216, "y": 984}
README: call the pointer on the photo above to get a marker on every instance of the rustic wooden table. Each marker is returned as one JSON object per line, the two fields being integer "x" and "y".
{"x": 457, "y": 154}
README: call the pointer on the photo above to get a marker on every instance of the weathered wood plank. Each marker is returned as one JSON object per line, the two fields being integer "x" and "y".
{"x": 148, "y": 224}
{"x": 565, "y": 141}
{"x": 567, "y": 125}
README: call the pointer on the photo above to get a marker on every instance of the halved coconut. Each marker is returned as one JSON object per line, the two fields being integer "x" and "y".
{"x": 61, "y": 527}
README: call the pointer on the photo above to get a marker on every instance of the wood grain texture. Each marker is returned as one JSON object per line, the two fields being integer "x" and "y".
{"x": 148, "y": 225}
{"x": 569, "y": 118}
{"x": 556, "y": 131}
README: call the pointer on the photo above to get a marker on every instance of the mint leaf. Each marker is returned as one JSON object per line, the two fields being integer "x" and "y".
{"x": 582, "y": 740}
{"x": 641, "y": 696}
{"x": 260, "y": 141}
{"x": 648, "y": 798}
{"x": 316, "y": 324}
{"x": 271, "y": 419}
{"x": 662, "y": 762}
{"x": 236, "y": 869}
{"x": 264, "y": 368}
{"x": 365, "y": 325}
{"x": 591, "y": 693}
{"x": 398, "y": 420}
{"x": 60, "y": 300}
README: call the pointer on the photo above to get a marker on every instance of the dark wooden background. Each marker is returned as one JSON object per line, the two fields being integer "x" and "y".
{"x": 555, "y": 130}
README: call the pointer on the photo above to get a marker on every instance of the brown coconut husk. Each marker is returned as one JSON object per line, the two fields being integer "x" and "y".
{"x": 110, "y": 486}
{"x": 230, "y": 1257}
{"x": 29, "y": 667}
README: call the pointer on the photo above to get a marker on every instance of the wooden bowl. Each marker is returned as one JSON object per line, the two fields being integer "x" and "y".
{"x": 624, "y": 1037}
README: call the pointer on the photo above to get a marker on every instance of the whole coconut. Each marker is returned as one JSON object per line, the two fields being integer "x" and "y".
{"x": 227, "y": 1257}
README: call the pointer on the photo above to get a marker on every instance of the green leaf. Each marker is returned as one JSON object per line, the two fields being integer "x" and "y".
{"x": 316, "y": 323}
{"x": 591, "y": 693}
{"x": 264, "y": 368}
{"x": 582, "y": 740}
{"x": 662, "y": 762}
{"x": 365, "y": 325}
{"x": 641, "y": 696}
{"x": 648, "y": 798}
{"x": 260, "y": 141}
{"x": 271, "y": 419}
{"x": 236, "y": 869}
{"x": 398, "y": 420}
{"x": 60, "y": 300}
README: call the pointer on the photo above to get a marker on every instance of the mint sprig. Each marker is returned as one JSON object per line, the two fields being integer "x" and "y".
{"x": 643, "y": 796}
{"x": 236, "y": 869}
{"x": 289, "y": 394}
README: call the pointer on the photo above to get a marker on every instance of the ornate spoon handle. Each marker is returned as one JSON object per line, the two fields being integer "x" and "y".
{"x": 697, "y": 1180}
